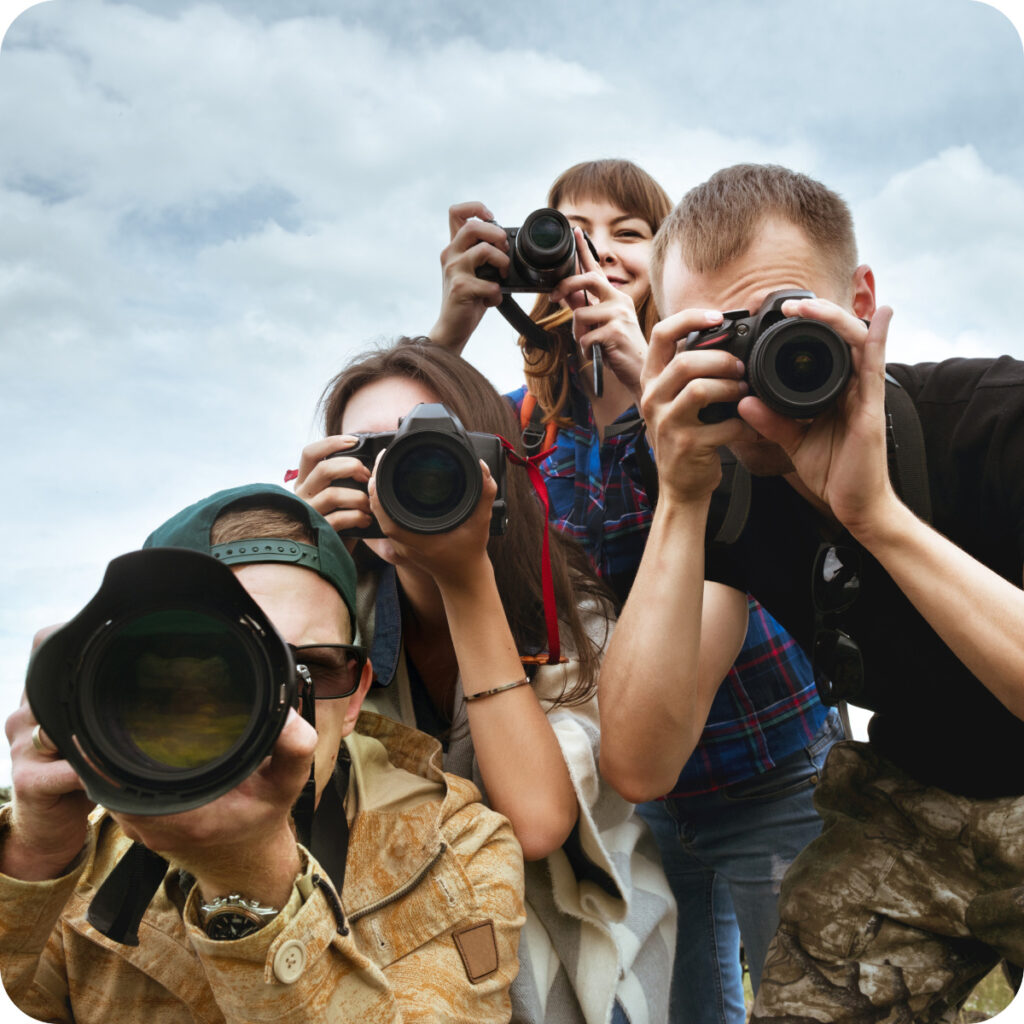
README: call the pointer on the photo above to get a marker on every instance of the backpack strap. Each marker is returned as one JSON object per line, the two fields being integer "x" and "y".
{"x": 537, "y": 435}
{"x": 908, "y": 461}
{"x": 644, "y": 458}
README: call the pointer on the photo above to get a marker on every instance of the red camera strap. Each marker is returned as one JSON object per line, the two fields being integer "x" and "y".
{"x": 554, "y": 652}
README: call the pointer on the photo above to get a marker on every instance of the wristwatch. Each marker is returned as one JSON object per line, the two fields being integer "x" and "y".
{"x": 234, "y": 917}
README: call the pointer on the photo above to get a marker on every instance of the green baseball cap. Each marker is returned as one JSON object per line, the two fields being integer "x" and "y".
{"x": 327, "y": 556}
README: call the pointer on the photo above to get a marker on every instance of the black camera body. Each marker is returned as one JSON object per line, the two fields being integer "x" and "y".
{"x": 169, "y": 688}
{"x": 541, "y": 253}
{"x": 429, "y": 478}
{"x": 795, "y": 365}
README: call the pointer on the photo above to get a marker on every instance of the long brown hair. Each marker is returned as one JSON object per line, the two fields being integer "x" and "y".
{"x": 516, "y": 555}
{"x": 635, "y": 192}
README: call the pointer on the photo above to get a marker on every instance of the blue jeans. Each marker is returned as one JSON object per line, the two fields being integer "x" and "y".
{"x": 725, "y": 853}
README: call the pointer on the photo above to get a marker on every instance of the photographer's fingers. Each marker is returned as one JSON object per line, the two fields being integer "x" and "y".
{"x": 460, "y": 213}
{"x": 669, "y": 335}
{"x": 322, "y": 482}
{"x": 288, "y": 767}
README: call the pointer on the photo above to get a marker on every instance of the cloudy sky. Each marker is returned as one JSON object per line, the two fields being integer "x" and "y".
{"x": 206, "y": 208}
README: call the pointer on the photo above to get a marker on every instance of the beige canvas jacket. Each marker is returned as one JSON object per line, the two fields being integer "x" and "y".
{"x": 433, "y": 900}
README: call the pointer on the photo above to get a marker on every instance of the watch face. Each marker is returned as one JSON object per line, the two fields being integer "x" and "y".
{"x": 225, "y": 925}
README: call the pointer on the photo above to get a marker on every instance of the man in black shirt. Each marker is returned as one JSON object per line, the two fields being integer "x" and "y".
{"x": 914, "y": 889}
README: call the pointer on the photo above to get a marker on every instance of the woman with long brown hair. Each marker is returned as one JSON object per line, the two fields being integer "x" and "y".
{"x": 460, "y": 632}
{"x": 742, "y": 807}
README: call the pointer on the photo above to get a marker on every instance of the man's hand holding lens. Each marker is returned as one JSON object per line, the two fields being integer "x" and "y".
{"x": 840, "y": 455}
{"x": 50, "y": 810}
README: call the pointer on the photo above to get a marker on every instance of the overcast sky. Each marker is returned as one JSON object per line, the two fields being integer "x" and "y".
{"x": 206, "y": 208}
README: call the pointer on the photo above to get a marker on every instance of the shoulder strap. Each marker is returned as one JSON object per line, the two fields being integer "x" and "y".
{"x": 644, "y": 458}
{"x": 908, "y": 461}
{"x": 730, "y": 504}
{"x": 537, "y": 435}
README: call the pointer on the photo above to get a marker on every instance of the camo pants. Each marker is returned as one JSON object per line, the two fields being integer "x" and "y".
{"x": 909, "y": 896}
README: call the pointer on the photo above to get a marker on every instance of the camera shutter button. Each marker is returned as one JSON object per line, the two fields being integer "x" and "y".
{"x": 289, "y": 961}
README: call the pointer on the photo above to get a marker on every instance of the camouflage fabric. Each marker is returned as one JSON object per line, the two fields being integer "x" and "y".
{"x": 432, "y": 897}
{"x": 907, "y": 899}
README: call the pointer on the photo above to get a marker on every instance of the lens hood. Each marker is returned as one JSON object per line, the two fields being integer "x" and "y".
{"x": 168, "y": 689}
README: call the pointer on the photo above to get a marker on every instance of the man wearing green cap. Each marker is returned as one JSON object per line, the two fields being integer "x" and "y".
{"x": 406, "y": 905}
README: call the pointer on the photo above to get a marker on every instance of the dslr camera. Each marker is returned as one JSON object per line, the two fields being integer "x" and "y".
{"x": 429, "y": 478}
{"x": 541, "y": 253}
{"x": 169, "y": 688}
{"x": 795, "y": 365}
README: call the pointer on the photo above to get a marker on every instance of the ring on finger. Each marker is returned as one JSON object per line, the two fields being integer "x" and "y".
{"x": 44, "y": 747}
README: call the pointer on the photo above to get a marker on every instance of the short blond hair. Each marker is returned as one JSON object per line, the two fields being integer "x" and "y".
{"x": 715, "y": 223}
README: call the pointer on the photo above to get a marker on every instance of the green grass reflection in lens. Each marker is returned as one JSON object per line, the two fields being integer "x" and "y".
{"x": 181, "y": 688}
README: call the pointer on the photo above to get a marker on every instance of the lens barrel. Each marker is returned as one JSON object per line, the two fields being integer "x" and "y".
{"x": 168, "y": 689}
{"x": 545, "y": 249}
{"x": 798, "y": 367}
{"x": 429, "y": 479}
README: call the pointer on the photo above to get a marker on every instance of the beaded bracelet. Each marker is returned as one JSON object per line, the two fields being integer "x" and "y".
{"x": 498, "y": 689}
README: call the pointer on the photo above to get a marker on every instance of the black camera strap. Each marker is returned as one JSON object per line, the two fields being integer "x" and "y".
{"x": 908, "y": 461}
{"x": 522, "y": 324}
{"x": 124, "y": 896}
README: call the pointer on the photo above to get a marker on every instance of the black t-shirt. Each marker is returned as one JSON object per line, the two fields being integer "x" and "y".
{"x": 933, "y": 718}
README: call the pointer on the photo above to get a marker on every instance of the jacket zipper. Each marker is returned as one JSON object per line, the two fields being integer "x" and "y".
{"x": 401, "y": 891}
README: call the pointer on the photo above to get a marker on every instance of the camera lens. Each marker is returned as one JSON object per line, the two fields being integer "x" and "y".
{"x": 545, "y": 232}
{"x": 798, "y": 367}
{"x": 171, "y": 692}
{"x": 803, "y": 364}
{"x": 545, "y": 250}
{"x": 429, "y": 481}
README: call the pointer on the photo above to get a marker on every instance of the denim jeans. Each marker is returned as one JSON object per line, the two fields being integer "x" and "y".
{"x": 725, "y": 853}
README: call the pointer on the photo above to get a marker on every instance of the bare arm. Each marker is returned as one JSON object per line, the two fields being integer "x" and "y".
{"x": 841, "y": 460}
{"x": 677, "y": 636}
{"x": 519, "y": 756}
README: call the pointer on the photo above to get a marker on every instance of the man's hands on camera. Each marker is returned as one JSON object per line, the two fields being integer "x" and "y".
{"x": 676, "y": 387}
{"x": 840, "y": 455}
{"x": 243, "y": 841}
{"x": 475, "y": 240}
{"x": 345, "y": 508}
{"x": 610, "y": 321}
{"x": 49, "y": 807}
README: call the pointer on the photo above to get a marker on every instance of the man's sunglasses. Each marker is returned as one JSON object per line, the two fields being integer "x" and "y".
{"x": 835, "y": 587}
{"x": 334, "y": 669}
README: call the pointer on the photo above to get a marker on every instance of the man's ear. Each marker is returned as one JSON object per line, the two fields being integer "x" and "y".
{"x": 864, "y": 292}
{"x": 355, "y": 702}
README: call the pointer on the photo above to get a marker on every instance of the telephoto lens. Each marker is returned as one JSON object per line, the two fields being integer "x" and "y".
{"x": 168, "y": 689}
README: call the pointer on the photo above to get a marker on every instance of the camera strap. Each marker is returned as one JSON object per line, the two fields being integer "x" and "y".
{"x": 531, "y": 462}
{"x": 124, "y": 896}
{"x": 908, "y": 463}
{"x": 521, "y": 322}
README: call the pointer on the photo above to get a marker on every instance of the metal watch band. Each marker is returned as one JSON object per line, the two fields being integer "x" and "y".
{"x": 233, "y": 916}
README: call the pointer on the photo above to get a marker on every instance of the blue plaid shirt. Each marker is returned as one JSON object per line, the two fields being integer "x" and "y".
{"x": 767, "y": 708}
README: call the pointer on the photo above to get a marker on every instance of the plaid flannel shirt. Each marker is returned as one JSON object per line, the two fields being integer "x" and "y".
{"x": 767, "y": 707}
